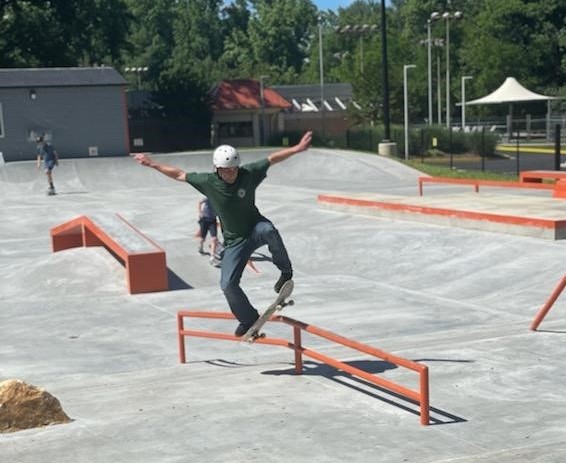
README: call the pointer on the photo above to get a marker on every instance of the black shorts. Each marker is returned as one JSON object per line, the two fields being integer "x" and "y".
{"x": 207, "y": 226}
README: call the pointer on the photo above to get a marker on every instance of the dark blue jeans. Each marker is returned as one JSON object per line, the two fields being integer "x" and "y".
{"x": 235, "y": 259}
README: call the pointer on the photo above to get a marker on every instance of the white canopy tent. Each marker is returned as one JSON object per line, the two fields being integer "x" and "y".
{"x": 511, "y": 91}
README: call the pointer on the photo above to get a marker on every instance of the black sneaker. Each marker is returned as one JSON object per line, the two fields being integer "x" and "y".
{"x": 241, "y": 330}
{"x": 282, "y": 279}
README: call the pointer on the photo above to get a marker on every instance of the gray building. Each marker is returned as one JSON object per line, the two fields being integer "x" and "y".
{"x": 82, "y": 111}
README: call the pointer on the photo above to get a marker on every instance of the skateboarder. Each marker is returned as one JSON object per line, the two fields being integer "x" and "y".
{"x": 47, "y": 152}
{"x": 231, "y": 190}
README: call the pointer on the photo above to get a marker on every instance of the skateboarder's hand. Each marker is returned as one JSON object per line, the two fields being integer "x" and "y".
{"x": 305, "y": 142}
{"x": 143, "y": 159}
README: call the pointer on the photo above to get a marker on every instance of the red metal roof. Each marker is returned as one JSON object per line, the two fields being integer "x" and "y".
{"x": 245, "y": 94}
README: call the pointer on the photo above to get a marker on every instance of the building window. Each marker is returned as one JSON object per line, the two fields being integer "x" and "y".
{"x": 1, "y": 121}
{"x": 235, "y": 129}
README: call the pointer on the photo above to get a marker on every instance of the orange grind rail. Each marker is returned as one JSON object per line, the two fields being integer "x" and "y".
{"x": 548, "y": 304}
{"x": 476, "y": 183}
{"x": 421, "y": 397}
{"x": 537, "y": 176}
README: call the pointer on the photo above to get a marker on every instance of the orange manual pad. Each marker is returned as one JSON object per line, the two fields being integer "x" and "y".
{"x": 540, "y": 217}
{"x": 145, "y": 261}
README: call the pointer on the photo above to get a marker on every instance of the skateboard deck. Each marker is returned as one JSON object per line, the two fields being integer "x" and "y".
{"x": 281, "y": 301}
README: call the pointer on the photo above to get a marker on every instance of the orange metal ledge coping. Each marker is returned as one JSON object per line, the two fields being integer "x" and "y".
{"x": 499, "y": 218}
{"x": 420, "y": 397}
{"x": 145, "y": 271}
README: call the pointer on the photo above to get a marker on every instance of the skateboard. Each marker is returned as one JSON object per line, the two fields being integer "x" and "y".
{"x": 51, "y": 192}
{"x": 253, "y": 334}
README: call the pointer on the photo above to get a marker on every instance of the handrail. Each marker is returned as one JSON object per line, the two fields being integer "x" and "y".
{"x": 477, "y": 182}
{"x": 548, "y": 304}
{"x": 421, "y": 396}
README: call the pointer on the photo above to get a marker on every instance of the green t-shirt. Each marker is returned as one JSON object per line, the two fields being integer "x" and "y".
{"x": 235, "y": 203}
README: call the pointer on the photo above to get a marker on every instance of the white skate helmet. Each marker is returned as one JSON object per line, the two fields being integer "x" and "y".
{"x": 225, "y": 156}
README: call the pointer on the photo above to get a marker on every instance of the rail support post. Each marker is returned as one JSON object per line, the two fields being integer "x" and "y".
{"x": 548, "y": 304}
{"x": 298, "y": 351}
{"x": 181, "y": 337}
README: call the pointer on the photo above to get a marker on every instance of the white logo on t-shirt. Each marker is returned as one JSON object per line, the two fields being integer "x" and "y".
{"x": 241, "y": 192}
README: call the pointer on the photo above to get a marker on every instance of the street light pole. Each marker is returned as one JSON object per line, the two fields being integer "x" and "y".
{"x": 464, "y": 78}
{"x": 429, "y": 54}
{"x": 447, "y": 16}
{"x": 361, "y": 30}
{"x": 406, "y": 108}
{"x": 386, "y": 122}
{"x": 438, "y": 89}
{"x": 361, "y": 53}
{"x": 321, "y": 75}
{"x": 262, "y": 99}
{"x": 138, "y": 71}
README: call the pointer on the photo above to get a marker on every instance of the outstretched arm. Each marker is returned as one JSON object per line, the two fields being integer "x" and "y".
{"x": 286, "y": 153}
{"x": 171, "y": 172}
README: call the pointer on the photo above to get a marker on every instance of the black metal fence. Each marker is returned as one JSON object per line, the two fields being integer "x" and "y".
{"x": 477, "y": 150}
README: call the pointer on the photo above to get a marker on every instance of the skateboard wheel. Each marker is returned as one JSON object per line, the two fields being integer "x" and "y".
{"x": 255, "y": 337}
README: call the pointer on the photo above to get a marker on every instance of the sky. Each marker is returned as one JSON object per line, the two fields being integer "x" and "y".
{"x": 331, "y": 4}
{"x": 335, "y": 4}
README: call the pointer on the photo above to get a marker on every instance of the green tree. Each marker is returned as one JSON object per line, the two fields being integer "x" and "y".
{"x": 237, "y": 59}
{"x": 62, "y": 32}
{"x": 199, "y": 41}
{"x": 518, "y": 38}
{"x": 277, "y": 32}
{"x": 151, "y": 39}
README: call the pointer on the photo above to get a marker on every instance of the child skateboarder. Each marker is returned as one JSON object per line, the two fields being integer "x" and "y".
{"x": 231, "y": 190}
{"x": 47, "y": 153}
{"x": 207, "y": 225}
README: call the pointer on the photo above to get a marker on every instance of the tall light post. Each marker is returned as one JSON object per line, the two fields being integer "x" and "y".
{"x": 438, "y": 89}
{"x": 262, "y": 99}
{"x": 464, "y": 79}
{"x": 361, "y": 30}
{"x": 386, "y": 146}
{"x": 429, "y": 64}
{"x": 321, "y": 74}
{"x": 406, "y": 67}
{"x": 384, "y": 65}
{"x": 447, "y": 16}
{"x": 430, "y": 43}
{"x": 137, "y": 70}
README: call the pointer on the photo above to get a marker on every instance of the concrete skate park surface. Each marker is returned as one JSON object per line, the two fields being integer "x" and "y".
{"x": 458, "y": 300}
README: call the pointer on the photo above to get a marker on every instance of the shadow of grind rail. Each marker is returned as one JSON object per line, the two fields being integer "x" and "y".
{"x": 421, "y": 397}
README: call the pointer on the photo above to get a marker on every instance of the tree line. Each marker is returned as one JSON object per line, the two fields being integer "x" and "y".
{"x": 188, "y": 45}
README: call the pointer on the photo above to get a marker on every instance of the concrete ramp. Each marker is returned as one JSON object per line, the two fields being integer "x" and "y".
{"x": 458, "y": 300}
